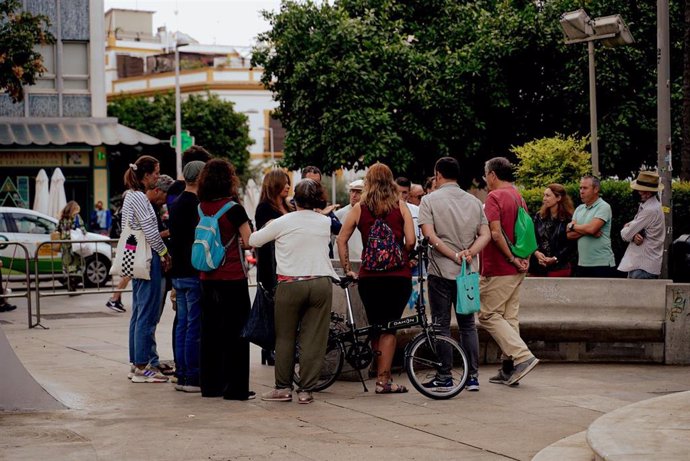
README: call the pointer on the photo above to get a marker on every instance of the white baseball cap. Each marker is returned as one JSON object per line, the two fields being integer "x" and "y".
{"x": 356, "y": 185}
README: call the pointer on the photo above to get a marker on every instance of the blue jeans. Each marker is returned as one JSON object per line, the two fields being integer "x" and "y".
{"x": 155, "y": 359}
{"x": 146, "y": 302}
{"x": 442, "y": 298}
{"x": 641, "y": 274}
{"x": 187, "y": 332}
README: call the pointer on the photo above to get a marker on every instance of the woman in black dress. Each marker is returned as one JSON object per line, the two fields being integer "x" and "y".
{"x": 273, "y": 204}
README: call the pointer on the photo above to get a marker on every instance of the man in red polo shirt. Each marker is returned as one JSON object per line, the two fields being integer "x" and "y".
{"x": 502, "y": 274}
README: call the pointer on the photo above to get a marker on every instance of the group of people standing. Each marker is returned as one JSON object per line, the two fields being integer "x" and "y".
{"x": 293, "y": 238}
{"x": 578, "y": 241}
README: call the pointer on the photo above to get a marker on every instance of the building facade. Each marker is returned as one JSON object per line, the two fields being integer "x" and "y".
{"x": 140, "y": 63}
{"x": 62, "y": 121}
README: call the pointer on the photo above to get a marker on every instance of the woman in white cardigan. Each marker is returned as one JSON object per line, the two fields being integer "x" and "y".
{"x": 303, "y": 294}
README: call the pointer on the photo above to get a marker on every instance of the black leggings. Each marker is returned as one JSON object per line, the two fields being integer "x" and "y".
{"x": 384, "y": 298}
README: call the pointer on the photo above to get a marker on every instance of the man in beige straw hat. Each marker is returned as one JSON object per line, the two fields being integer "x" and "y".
{"x": 642, "y": 259}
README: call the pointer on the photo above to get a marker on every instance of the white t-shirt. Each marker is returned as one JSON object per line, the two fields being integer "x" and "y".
{"x": 301, "y": 240}
{"x": 414, "y": 211}
{"x": 355, "y": 243}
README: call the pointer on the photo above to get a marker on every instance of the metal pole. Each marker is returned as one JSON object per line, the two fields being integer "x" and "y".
{"x": 664, "y": 122}
{"x": 178, "y": 114}
{"x": 593, "y": 110}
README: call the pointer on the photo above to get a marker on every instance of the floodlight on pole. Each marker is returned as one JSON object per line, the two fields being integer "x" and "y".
{"x": 578, "y": 27}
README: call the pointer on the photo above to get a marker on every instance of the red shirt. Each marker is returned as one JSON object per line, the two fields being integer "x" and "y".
{"x": 501, "y": 205}
{"x": 229, "y": 224}
{"x": 396, "y": 222}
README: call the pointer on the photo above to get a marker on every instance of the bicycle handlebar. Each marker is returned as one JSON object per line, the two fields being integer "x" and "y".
{"x": 344, "y": 282}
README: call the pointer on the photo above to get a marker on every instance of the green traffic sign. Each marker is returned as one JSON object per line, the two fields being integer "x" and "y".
{"x": 187, "y": 140}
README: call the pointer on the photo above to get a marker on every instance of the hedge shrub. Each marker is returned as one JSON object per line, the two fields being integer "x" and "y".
{"x": 618, "y": 195}
{"x": 559, "y": 159}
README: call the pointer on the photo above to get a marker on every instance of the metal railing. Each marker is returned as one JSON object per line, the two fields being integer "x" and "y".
{"x": 45, "y": 270}
{"x": 25, "y": 276}
{"x": 88, "y": 265}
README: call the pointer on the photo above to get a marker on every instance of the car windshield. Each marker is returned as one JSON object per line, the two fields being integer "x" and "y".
{"x": 29, "y": 224}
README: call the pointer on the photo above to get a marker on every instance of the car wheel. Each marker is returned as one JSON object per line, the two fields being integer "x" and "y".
{"x": 96, "y": 270}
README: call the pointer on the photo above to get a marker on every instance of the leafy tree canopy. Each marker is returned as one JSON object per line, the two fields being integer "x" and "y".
{"x": 407, "y": 81}
{"x": 213, "y": 122}
{"x": 20, "y": 33}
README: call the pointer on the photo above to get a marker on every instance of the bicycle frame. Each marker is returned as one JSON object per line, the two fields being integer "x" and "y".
{"x": 348, "y": 339}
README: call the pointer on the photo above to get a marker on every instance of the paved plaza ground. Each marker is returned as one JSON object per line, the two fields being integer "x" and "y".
{"x": 82, "y": 361}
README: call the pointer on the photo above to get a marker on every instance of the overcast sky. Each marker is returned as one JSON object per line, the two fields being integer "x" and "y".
{"x": 223, "y": 22}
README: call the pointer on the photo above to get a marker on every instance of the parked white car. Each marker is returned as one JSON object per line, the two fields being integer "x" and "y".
{"x": 32, "y": 228}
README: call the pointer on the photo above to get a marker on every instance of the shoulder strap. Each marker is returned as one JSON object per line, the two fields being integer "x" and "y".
{"x": 521, "y": 203}
{"x": 224, "y": 208}
{"x": 219, "y": 213}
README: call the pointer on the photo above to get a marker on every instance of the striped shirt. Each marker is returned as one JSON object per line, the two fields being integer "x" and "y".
{"x": 138, "y": 214}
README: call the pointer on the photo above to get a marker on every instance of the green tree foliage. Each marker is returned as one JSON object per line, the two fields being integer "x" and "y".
{"x": 20, "y": 33}
{"x": 544, "y": 161}
{"x": 405, "y": 82}
{"x": 213, "y": 122}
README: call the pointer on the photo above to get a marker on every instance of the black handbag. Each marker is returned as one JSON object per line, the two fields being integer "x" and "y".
{"x": 260, "y": 327}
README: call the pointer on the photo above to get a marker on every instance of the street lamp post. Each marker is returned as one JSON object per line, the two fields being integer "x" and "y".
{"x": 178, "y": 113}
{"x": 664, "y": 123}
{"x": 578, "y": 27}
{"x": 178, "y": 108}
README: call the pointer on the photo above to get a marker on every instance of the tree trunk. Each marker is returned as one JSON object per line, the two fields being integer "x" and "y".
{"x": 685, "y": 153}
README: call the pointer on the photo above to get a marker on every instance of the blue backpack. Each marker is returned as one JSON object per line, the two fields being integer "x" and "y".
{"x": 208, "y": 251}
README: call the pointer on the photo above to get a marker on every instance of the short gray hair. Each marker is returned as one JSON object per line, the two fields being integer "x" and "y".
{"x": 309, "y": 194}
{"x": 164, "y": 182}
{"x": 596, "y": 182}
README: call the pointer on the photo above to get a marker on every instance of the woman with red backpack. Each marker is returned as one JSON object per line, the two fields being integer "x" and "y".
{"x": 385, "y": 280}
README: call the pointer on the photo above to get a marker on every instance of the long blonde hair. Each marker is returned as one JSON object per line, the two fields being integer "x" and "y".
{"x": 71, "y": 209}
{"x": 380, "y": 193}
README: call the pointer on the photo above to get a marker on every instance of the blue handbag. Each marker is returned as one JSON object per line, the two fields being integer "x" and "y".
{"x": 468, "y": 291}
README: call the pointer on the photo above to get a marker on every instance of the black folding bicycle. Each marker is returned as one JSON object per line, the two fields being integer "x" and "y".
{"x": 422, "y": 358}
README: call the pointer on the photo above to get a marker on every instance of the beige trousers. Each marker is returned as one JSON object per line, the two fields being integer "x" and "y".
{"x": 500, "y": 300}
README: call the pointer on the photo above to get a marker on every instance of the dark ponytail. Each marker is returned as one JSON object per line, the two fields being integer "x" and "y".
{"x": 136, "y": 171}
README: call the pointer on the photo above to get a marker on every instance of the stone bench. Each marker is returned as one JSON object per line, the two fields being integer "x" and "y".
{"x": 588, "y": 319}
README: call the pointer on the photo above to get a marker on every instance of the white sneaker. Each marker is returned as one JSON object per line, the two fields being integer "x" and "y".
{"x": 148, "y": 375}
{"x": 131, "y": 372}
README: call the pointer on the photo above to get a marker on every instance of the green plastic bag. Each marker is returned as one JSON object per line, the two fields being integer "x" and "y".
{"x": 525, "y": 236}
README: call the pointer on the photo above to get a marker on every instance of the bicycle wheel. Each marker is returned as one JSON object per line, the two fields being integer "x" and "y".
{"x": 426, "y": 371}
{"x": 330, "y": 368}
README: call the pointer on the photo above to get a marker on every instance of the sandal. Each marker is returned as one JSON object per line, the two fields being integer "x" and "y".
{"x": 390, "y": 388}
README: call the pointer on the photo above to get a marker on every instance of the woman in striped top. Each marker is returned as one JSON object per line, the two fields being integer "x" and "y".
{"x": 138, "y": 214}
